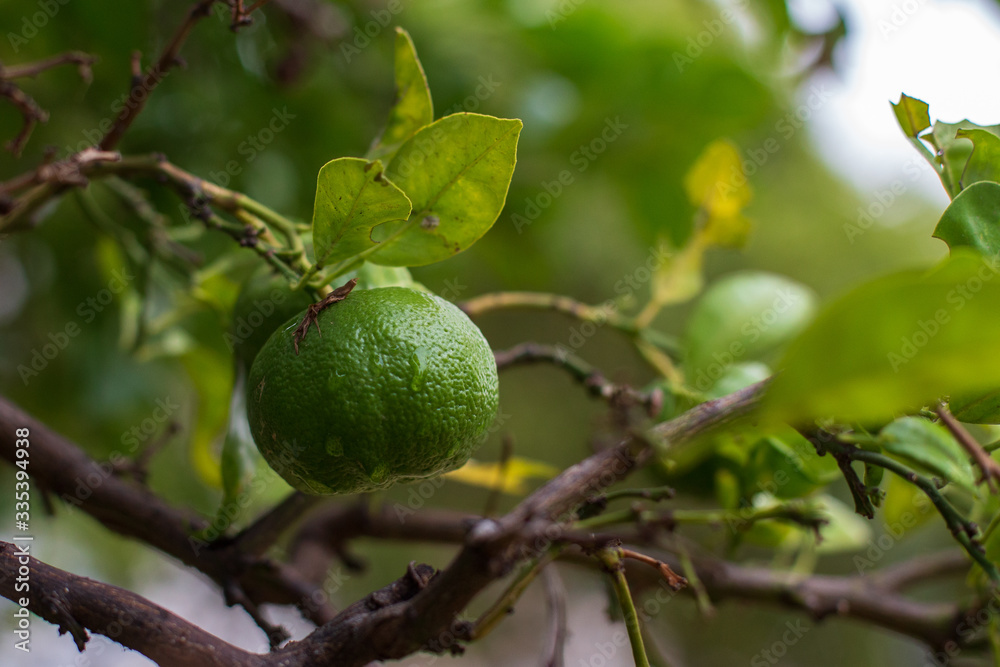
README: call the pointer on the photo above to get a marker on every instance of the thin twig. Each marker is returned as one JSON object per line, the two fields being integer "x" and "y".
{"x": 555, "y": 595}
{"x": 590, "y": 377}
{"x": 167, "y": 61}
{"x": 989, "y": 467}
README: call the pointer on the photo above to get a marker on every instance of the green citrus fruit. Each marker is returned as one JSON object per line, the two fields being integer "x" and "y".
{"x": 264, "y": 303}
{"x": 395, "y": 385}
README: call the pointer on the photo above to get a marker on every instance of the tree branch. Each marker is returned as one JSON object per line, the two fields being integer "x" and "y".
{"x": 63, "y": 469}
{"x": 65, "y": 599}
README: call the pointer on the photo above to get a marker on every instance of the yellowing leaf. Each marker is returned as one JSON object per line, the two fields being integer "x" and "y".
{"x": 680, "y": 278}
{"x": 716, "y": 183}
{"x": 512, "y": 481}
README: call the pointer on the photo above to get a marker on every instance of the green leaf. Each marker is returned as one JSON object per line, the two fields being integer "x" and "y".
{"x": 738, "y": 376}
{"x": 845, "y": 530}
{"x": 973, "y": 219}
{"x": 895, "y": 344}
{"x": 352, "y": 197}
{"x": 912, "y": 115}
{"x": 979, "y": 409}
{"x": 918, "y": 442}
{"x": 984, "y": 163}
{"x": 905, "y": 506}
{"x": 740, "y": 318}
{"x": 789, "y": 467}
{"x": 953, "y": 151}
{"x": 456, "y": 172}
{"x": 413, "y": 108}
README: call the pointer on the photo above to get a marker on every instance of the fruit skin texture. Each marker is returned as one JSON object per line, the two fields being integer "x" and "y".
{"x": 399, "y": 386}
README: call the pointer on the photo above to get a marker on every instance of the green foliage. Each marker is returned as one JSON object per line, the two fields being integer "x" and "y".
{"x": 352, "y": 198}
{"x": 413, "y": 109}
{"x": 456, "y": 172}
{"x": 973, "y": 219}
{"x": 743, "y": 317}
{"x": 894, "y": 344}
{"x": 928, "y": 446}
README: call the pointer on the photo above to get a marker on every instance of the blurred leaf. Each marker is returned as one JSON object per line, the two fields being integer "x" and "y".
{"x": 456, "y": 172}
{"x": 212, "y": 378}
{"x": 511, "y": 478}
{"x": 738, "y": 376}
{"x": 740, "y": 318}
{"x": 846, "y": 530}
{"x": 905, "y": 506}
{"x": 789, "y": 466}
{"x": 371, "y": 276}
{"x": 240, "y": 457}
{"x": 981, "y": 409}
{"x": 352, "y": 197}
{"x": 716, "y": 183}
{"x": 413, "y": 108}
{"x": 679, "y": 278}
{"x": 894, "y": 344}
{"x": 973, "y": 219}
{"x": 984, "y": 163}
{"x": 918, "y": 442}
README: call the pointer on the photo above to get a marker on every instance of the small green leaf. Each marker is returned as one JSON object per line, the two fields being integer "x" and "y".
{"x": 738, "y": 376}
{"x": 984, "y": 163}
{"x": 905, "y": 506}
{"x": 979, "y": 409}
{"x": 895, "y": 344}
{"x": 352, "y": 197}
{"x": 973, "y": 219}
{"x": 845, "y": 530}
{"x": 456, "y": 172}
{"x": 953, "y": 151}
{"x": 912, "y": 115}
{"x": 413, "y": 108}
{"x": 740, "y": 318}
{"x": 789, "y": 466}
{"x": 918, "y": 442}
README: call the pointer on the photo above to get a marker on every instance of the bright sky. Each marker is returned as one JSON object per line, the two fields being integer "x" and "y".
{"x": 945, "y": 52}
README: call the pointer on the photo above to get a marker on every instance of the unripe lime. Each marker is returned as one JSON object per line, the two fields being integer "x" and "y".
{"x": 395, "y": 385}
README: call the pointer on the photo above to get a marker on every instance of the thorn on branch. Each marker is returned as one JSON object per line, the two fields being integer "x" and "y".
{"x": 312, "y": 313}
{"x": 67, "y": 623}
